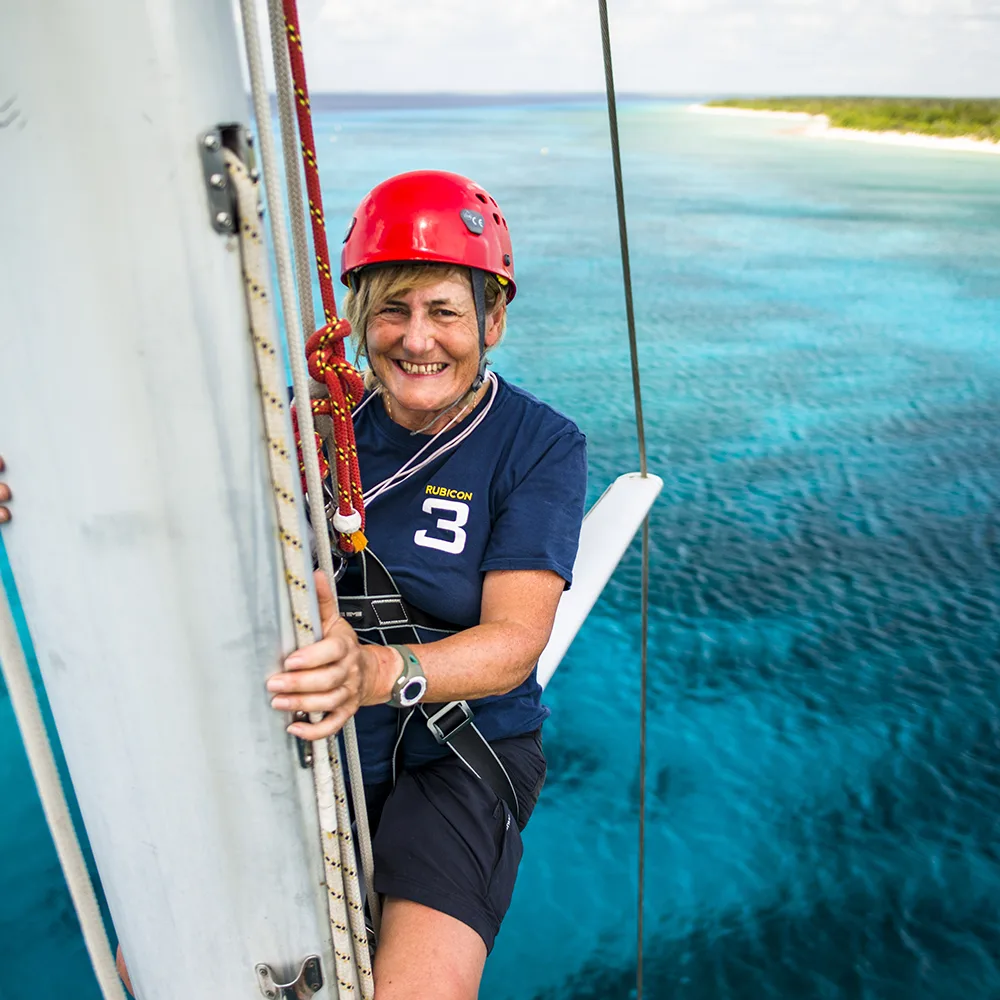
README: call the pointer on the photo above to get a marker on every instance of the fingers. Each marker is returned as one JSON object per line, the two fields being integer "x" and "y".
{"x": 327, "y": 607}
{"x": 324, "y": 678}
{"x": 4, "y": 498}
{"x": 323, "y": 701}
{"x": 329, "y": 725}
{"x": 330, "y": 650}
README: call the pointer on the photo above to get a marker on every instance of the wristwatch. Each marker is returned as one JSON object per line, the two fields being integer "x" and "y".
{"x": 411, "y": 685}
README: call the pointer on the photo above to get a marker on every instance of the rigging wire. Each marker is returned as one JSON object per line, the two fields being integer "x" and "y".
{"x": 609, "y": 84}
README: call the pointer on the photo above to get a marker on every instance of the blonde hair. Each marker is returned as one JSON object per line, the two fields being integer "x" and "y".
{"x": 372, "y": 287}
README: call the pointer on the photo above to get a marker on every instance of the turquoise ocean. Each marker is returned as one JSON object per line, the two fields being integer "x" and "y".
{"x": 819, "y": 327}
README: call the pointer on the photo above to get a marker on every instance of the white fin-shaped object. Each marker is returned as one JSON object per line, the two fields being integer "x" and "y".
{"x": 608, "y": 529}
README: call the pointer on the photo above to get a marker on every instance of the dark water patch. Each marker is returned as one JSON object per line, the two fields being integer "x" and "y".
{"x": 902, "y": 942}
{"x": 572, "y": 762}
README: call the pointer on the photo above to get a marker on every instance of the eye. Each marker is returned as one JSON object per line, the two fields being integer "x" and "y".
{"x": 391, "y": 311}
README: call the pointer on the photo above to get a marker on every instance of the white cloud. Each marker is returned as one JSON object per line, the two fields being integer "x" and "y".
{"x": 663, "y": 46}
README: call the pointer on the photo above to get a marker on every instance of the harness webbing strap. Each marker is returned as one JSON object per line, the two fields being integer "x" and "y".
{"x": 382, "y": 616}
{"x": 452, "y": 726}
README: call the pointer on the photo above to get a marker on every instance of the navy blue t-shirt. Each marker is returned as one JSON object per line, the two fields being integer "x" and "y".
{"x": 509, "y": 497}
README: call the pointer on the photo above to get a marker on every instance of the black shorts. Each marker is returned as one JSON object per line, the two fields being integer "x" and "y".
{"x": 442, "y": 838}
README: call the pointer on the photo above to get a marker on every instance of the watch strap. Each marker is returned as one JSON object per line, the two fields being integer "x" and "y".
{"x": 411, "y": 671}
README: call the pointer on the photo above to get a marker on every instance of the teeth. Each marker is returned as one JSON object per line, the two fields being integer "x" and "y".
{"x": 412, "y": 369}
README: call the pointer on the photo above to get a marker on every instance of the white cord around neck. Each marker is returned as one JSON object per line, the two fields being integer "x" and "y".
{"x": 408, "y": 469}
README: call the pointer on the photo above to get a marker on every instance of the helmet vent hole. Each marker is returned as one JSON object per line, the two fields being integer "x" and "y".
{"x": 495, "y": 205}
{"x": 481, "y": 197}
{"x": 496, "y": 218}
{"x": 504, "y": 221}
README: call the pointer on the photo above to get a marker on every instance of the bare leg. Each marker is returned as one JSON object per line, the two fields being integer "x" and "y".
{"x": 426, "y": 955}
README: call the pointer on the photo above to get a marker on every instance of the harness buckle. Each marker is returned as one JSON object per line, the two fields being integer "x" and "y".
{"x": 444, "y": 725}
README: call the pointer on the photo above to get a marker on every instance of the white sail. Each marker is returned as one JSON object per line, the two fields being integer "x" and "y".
{"x": 143, "y": 544}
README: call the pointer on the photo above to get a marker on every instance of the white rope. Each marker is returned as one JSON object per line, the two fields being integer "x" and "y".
{"x": 28, "y": 713}
{"x": 407, "y": 469}
{"x": 303, "y": 272}
{"x": 352, "y": 959}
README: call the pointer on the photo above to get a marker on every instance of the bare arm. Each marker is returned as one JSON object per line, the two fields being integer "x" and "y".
{"x": 337, "y": 675}
{"x": 498, "y": 654}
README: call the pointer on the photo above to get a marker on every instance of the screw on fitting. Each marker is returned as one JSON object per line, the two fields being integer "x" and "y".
{"x": 217, "y": 180}
{"x": 212, "y": 141}
{"x": 224, "y": 219}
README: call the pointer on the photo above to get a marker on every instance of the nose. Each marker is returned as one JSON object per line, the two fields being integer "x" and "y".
{"x": 418, "y": 338}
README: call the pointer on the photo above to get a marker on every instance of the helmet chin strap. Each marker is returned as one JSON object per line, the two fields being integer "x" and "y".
{"x": 479, "y": 295}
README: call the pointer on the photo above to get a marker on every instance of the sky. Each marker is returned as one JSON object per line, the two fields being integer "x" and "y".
{"x": 932, "y": 47}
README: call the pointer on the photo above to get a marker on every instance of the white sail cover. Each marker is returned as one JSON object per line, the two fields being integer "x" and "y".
{"x": 143, "y": 543}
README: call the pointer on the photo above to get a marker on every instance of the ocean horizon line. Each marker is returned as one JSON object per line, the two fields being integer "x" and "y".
{"x": 389, "y": 100}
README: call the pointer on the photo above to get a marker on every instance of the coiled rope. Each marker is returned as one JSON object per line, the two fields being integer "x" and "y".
{"x": 28, "y": 713}
{"x": 321, "y": 364}
{"x": 609, "y": 85}
{"x": 351, "y": 949}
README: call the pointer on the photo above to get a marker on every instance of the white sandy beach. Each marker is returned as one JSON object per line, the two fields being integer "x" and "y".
{"x": 818, "y": 127}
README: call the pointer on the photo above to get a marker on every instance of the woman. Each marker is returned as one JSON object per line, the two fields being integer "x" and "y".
{"x": 475, "y": 547}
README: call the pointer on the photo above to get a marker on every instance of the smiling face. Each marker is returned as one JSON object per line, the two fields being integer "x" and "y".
{"x": 423, "y": 345}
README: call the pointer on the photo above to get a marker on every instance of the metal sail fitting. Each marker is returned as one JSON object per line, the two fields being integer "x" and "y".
{"x": 306, "y": 984}
{"x": 221, "y": 198}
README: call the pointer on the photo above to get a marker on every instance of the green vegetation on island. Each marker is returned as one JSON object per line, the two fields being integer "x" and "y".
{"x": 979, "y": 119}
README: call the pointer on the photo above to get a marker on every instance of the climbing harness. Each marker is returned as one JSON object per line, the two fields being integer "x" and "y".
{"x": 609, "y": 84}
{"x": 380, "y": 615}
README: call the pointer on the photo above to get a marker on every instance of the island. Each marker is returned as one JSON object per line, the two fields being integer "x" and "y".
{"x": 964, "y": 123}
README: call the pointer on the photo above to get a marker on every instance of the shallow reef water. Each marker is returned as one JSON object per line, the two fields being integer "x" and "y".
{"x": 819, "y": 328}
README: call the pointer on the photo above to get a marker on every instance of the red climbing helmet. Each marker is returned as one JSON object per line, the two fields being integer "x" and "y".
{"x": 433, "y": 216}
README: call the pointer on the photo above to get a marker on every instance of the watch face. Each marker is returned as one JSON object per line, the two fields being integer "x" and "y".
{"x": 413, "y": 690}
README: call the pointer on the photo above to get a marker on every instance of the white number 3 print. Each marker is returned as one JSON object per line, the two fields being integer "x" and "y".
{"x": 452, "y": 525}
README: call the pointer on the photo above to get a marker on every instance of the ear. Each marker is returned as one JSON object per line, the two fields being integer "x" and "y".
{"x": 494, "y": 326}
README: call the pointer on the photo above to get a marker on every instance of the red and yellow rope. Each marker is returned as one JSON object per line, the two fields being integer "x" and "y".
{"x": 325, "y": 350}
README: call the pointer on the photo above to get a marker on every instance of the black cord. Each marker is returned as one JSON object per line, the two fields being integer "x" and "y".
{"x": 609, "y": 82}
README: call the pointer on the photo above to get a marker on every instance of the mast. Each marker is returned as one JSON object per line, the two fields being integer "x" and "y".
{"x": 143, "y": 544}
